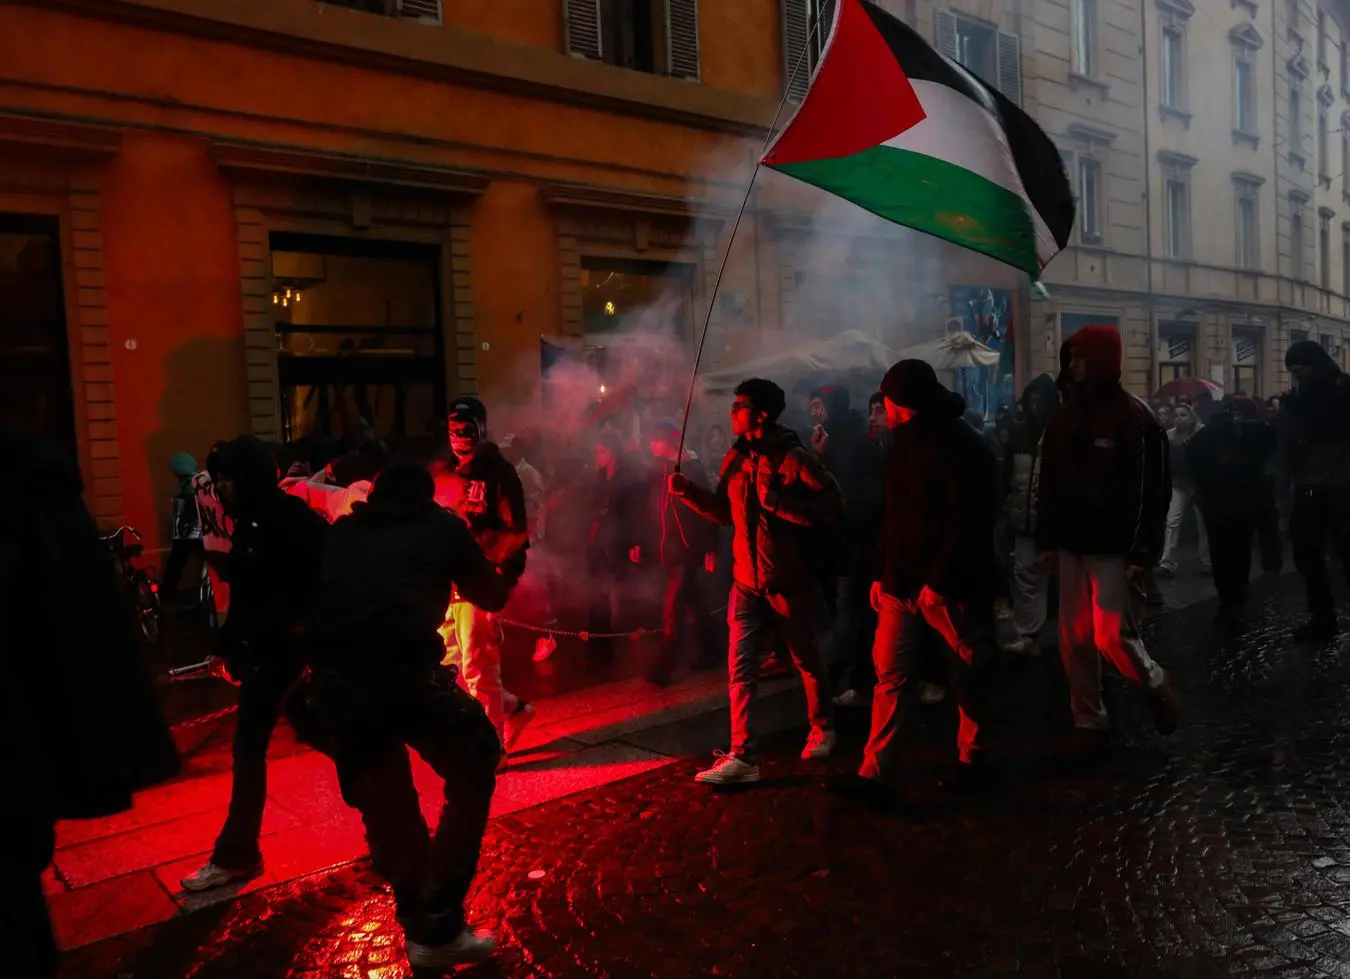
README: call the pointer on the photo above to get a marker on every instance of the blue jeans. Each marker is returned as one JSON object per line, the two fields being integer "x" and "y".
{"x": 750, "y": 614}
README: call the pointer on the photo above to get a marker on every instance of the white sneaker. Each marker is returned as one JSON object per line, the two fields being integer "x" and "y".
{"x": 1003, "y": 611}
{"x": 470, "y": 946}
{"x": 931, "y": 693}
{"x": 728, "y": 770}
{"x": 819, "y": 744}
{"x": 1023, "y": 646}
{"x": 518, "y": 720}
{"x": 849, "y": 698}
{"x": 544, "y": 647}
{"x": 211, "y": 876}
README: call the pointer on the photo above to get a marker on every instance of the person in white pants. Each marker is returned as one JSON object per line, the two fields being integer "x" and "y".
{"x": 1183, "y": 492}
{"x": 1103, "y": 495}
{"x": 1021, "y": 473}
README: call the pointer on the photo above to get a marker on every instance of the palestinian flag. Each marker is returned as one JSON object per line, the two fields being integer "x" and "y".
{"x": 896, "y": 128}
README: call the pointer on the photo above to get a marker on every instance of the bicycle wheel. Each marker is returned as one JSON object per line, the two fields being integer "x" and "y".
{"x": 147, "y": 606}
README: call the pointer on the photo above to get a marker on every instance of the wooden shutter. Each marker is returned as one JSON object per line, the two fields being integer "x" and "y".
{"x": 1010, "y": 67}
{"x": 682, "y": 38}
{"x": 426, "y": 11}
{"x": 582, "y": 24}
{"x": 796, "y": 65}
{"x": 944, "y": 26}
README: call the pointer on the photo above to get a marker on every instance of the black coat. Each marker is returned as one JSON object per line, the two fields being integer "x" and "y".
{"x": 1228, "y": 460}
{"x": 80, "y": 729}
{"x": 388, "y": 573}
{"x": 941, "y": 498}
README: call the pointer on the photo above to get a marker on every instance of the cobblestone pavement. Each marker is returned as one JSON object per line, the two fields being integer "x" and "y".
{"x": 1222, "y": 851}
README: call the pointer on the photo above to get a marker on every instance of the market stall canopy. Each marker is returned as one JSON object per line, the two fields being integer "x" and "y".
{"x": 952, "y": 352}
{"x": 848, "y": 352}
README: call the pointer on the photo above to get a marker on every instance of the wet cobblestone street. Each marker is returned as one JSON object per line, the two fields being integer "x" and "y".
{"x": 1222, "y": 851}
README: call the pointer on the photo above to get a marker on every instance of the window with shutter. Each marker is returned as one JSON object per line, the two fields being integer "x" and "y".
{"x": 424, "y": 11}
{"x": 682, "y": 38}
{"x": 944, "y": 25}
{"x": 796, "y": 32}
{"x": 582, "y": 21}
{"x": 1010, "y": 67}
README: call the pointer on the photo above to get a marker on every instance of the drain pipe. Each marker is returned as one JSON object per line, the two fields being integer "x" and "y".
{"x": 1148, "y": 203}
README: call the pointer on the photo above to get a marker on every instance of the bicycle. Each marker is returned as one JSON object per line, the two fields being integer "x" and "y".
{"x": 139, "y": 583}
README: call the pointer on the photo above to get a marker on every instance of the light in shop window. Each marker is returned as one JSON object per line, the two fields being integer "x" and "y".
{"x": 610, "y": 308}
{"x": 286, "y": 297}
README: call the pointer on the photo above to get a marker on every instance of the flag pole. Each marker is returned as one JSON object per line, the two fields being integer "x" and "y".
{"x": 735, "y": 226}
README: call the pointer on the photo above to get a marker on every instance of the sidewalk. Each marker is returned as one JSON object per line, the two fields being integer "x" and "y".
{"x": 116, "y": 875}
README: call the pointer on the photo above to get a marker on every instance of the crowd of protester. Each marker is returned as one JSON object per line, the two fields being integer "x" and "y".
{"x": 877, "y": 553}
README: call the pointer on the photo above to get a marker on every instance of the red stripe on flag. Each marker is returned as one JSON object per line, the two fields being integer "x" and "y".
{"x": 859, "y": 98}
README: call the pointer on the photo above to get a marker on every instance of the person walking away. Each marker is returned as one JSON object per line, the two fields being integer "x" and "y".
{"x": 1183, "y": 493}
{"x": 683, "y": 545}
{"x": 841, "y": 443}
{"x": 1101, "y": 513}
{"x": 377, "y": 689}
{"x": 939, "y": 573}
{"x": 185, "y": 522}
{"x": 614, "y": 527}
{"x": 1312, "y": 477}
{"x": 480, "y": 487}
{"x": 217, "y": 529}
{"x": 769, "y": 487}
{"x": 1228, "y": 461}
{"x": 1021, "y": 474}
{"x": 273, "y": 571}
{"x": 80, "y": 725}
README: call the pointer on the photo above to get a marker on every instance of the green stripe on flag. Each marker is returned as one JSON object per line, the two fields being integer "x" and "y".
{"x": 932, "y": 196}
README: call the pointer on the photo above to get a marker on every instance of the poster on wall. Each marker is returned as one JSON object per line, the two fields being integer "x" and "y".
{"x": 986, "y": 314}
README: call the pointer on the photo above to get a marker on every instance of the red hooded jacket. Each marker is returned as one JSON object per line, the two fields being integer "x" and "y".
{"x": 1105, "y": 485}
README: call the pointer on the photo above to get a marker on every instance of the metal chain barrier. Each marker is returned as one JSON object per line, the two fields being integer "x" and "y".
{"x": 585, "y": 635}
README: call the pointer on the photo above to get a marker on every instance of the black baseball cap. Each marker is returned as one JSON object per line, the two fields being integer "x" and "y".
{"x": 468, "y": 410}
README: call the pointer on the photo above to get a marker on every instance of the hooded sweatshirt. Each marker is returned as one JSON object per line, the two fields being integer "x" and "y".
{"x": 1105, "y": 485}
{"x": 941, "y": 499}
{"x": 1022, "y": 458}
{"x": 388, "y": 572}
{"x": 853, "y": 461}
{"x": 1313, "y": 426}
{"x": 273, "y": 566}
{"x": 484, "y": 490}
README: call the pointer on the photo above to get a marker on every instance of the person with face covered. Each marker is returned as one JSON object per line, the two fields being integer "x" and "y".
{"x": 769, "y": 487}
{"x": 478, "y": 485}
{"x": 1312, "y": 477}
{"x": 937, "y": 576}
{"x": 840, "y": 440}
{"x": 273, "y": 571}
{"x": 1101, "y": 514}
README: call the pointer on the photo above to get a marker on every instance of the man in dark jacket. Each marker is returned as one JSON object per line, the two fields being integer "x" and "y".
{"x": 1312, "y": 469}
{"x": 1021, "y": 473}
{"x": 682, "y": 544}
{"x": 80, "y": 730}
{"x": 769, "y": 487}
{"x": 1101, "y": 514}
{"x": 482, "y": 488}
{"x": 840, "y": 440}
{"x": 273, "y": 570}
{"x": 938, "y": 570}
{"x": 1227, "y": 460}
{"x": 388, "y": 572}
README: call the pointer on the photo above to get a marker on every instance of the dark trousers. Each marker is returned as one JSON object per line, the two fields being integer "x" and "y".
{"x": 177, "y": 562}
{"x": 850, "y": 666}
{"x": 430, "y": 875}
{"x": 261, "y": 695}
{"x": 1231, "y": 536}
{"x": 1320, "y": 518}
{"x": 30, "y": 948}
{"x": 683, "y": 610}
{"x": 1268, "y": 530}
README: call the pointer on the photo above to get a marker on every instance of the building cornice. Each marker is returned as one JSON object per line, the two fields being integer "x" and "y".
{"x": 563, "y": 194}
{"x": 1247, "y": 177}
{"x": 319, "y": 31}
{"x": 1090, "y": 134}
{"x": 68, "y": 139}
{"x": 1172, "y": 158}
{"x": 1247, "y": 36}
{"x": 246, "y": 157}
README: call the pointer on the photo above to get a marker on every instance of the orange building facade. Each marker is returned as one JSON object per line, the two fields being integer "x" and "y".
{"x": 439, "y": 194}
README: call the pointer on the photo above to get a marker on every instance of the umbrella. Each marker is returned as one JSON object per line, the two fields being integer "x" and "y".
{"x": 1189, "y": 387}
{"x": 952, "y": 352}
{"x": 845, "y": 353}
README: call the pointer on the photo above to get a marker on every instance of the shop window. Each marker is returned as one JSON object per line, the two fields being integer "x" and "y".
{"x": 1247, "y": 362}
{"x": 35, "y": 385}
{"x": 637, "y": 317}
{"x": 1176, "y": 351}
{"x": 358, "y": 327}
